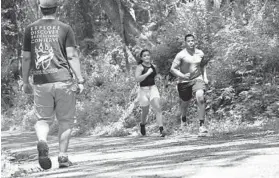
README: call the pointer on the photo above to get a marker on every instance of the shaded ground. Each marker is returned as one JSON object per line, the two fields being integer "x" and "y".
{"x": 177, "y": 156}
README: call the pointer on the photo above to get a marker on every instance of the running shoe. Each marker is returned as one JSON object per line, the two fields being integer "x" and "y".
{"x": 203, "y": 131}
{"x": 44, "y": 160}
{"x": 64, "y": 162}
{"x": 162, "y": 133}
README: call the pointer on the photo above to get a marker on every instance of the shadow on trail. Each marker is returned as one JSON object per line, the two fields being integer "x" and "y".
{"x": 143, "y": 156}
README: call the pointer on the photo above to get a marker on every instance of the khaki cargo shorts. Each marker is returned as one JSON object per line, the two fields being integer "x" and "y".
{"x": 55, "y": 99}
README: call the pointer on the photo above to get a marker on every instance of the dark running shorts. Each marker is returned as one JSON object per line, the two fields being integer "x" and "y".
{"x": 187, "y": 89}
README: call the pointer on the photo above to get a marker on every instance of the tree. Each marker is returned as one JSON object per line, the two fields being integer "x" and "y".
{"x": 131, "y": 28}
{"x": 85, "y": 9}
{"x": 132, "y": 32}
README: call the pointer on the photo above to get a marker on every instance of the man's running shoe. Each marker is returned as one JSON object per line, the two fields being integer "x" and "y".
{"x": 203, "y": 131}
{"x": 162, "y": 134}
{"x": 142, "y": 129}
{"x": 183, "y": 125}
{"x": 64, "y": 162}
{"x": 44, "y": 160}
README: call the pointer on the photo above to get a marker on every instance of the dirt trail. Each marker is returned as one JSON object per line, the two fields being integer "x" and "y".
{"x": 177, "y": 156}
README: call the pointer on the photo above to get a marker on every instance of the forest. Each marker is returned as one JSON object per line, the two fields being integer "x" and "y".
{"x": 239, "y": 38}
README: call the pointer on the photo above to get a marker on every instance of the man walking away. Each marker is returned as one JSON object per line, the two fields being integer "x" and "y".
{"x": 49, "y": 52}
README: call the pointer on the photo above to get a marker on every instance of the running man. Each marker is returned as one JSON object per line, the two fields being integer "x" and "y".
{"x": 49, "y": 51}
{"x": 191, "y": 80}
{"x": 148, "y": 93}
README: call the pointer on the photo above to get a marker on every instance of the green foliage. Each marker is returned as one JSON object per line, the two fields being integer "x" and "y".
{"x": 20, "y": 116}
{"x": 243, "y": 48}
{"x": 240, "y": 40}
{"x": 106, "y": 94}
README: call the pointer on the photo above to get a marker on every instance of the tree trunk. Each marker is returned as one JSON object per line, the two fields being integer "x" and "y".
{"x": 132, "y": 30}
{"x": 85, "y": 12}
{"x": 217, "y": 4}
{"x": 121, "y": 16}
{"x": 161, "y": 53}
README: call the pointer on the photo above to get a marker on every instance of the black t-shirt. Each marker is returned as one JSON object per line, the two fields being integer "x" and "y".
{"x": 47, "y": 40}
{"x": 150, "y": 79}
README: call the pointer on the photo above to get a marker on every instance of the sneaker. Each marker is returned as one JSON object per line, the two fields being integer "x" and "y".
{"x": 142, "y": 129}
{"x": 162, "y": 134}
{"x": 183, "y": 124}
{"x": 64, "y": 162}
{"x": 202, "y": 131}
{"x": 44, "y": 160}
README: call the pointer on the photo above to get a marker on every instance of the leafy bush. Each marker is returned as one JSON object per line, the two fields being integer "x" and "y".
{"x": 243, "y": 69}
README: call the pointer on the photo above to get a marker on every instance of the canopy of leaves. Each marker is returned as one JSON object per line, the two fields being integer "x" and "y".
{"x": 239, "y": 38}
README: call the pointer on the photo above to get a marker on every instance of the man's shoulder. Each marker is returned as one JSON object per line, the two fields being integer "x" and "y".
{"x": 181, "y": 53}
{"x": 41, "y": 21}
{"x": 34, "y": 23}
{"x": 200, "y": 52}
{"x": 62, "y": 23}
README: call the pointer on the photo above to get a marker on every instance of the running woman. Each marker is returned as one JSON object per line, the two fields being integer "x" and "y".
{"x": 148, "y": 93}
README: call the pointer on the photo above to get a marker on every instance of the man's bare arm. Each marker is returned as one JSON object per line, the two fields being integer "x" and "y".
{"x": 175, "y": 71}
{"x": 26, "y": 66}
{"x": 74, "y": 62}
{"x": 204, "y": 75}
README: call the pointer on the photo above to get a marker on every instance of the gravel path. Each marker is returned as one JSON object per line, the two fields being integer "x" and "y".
{"x": 239, "y": 156}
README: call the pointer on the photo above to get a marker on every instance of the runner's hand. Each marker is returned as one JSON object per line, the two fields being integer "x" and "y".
{"x": 150, "y": 70}
{"x": 206, "y": 81}
{"x": 186, "y": 76}
{"x": 27, "y": 88}
{"x": 207, "y": 84}
{"x": 80, "y": 88}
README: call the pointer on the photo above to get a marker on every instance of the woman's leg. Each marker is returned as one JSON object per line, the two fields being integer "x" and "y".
{"x": 144, "y": 103}
{"x": 155, "y": 103}
{"x": 144, "y": 113}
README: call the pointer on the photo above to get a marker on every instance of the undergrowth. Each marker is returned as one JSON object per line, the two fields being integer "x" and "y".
{"x": 243, "y": 71}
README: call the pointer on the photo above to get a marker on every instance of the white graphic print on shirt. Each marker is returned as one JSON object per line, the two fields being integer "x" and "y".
{"x": 44, "y": 55}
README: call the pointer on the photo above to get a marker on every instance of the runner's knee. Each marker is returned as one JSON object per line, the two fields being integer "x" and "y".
{"x": 158, "y": 109}
{"x": 200, "y": 96}
{"x": 66, "y": 123}
{"x": 144, "y": 110}
{"x": 156, "y": 105}
{"x": 184, "y": 104}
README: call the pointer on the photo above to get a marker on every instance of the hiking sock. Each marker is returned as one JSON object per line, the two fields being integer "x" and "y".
{"x": 183, "y": 118}
{"x": 162, "y": 133}
{"x": 161, "y": 129}
{"x": 201, "y": 123}
{"x": 142, "y": 129}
